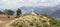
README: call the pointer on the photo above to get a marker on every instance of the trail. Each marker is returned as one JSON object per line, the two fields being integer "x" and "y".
{"x": 3, "y": 23}
{"x": 4, "y": 19}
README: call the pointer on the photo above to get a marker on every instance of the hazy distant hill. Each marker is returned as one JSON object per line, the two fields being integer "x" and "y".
{"x": 56, "y": 14}
{"x": 44, "y": 10}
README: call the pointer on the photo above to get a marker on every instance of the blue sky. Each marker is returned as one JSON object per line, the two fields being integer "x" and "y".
{"x": 12, "y": 4}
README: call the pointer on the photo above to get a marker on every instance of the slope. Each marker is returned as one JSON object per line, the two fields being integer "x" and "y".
{"x": 34, "y": 21}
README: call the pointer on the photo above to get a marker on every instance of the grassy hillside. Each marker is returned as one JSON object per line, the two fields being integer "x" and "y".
{"x": 34, "y": 21}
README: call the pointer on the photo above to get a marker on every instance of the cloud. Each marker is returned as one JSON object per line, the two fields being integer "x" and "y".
{"x": 43, "y": 0}
{"x": 19, "y": 3}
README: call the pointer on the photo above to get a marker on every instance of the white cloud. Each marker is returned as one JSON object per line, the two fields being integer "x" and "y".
{"x": 19, "y": 3}
{"x": 43, "y": 0}
{"x": 32, "y": 0}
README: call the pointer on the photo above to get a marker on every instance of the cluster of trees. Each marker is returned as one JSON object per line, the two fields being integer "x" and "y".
{"x": 11, "y": 12}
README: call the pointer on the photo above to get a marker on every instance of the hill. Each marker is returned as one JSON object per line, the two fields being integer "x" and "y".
{"x": 34, "y": 21}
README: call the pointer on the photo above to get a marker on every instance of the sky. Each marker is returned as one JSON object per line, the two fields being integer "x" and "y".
{"x": 12, "y": 4}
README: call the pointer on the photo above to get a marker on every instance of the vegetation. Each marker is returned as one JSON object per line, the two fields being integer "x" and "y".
{"x": 9, "y": 12}
{"x": 18, "y": 13}
{"x": 1, "y": 12}
{"x": 35, "y": 21}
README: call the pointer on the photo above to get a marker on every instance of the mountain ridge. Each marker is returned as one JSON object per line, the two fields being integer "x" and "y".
{"x": 43, "y": 10}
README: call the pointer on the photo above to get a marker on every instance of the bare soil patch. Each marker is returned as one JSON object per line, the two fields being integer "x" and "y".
{"x": 4, "y": 19}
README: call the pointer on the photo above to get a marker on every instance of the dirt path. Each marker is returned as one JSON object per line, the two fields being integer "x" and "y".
{"x": 4, "y": 23}
{"x": 4, "y": 19}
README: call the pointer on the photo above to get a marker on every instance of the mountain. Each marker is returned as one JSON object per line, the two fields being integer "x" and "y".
{"x": 56, "y": 14}
{"x": 43, "y": 10}
{"x": 36, "y": 9}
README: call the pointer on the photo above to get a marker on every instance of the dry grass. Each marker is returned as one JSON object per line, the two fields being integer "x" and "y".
{"x": 29, "y": 21}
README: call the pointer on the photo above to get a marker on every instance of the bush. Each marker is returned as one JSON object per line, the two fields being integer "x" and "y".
{"x": 9, "y": 12}
{"x": 31, "y": 24}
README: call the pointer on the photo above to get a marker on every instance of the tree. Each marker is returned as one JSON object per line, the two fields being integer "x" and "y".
{"x": 9, "y": 12}
{"x": 1, "y": 12}
{"x": 6, "y": 12}
{"x": 18, "y": 13}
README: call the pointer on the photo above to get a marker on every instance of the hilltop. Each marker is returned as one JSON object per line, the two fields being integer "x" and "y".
{"x": 30, "y": 20}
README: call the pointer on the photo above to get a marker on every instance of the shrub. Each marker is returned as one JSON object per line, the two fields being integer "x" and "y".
{"x": 31, "y": 24}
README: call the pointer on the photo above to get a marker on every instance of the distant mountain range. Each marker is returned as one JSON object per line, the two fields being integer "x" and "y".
{"x": 53, "y": 11}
